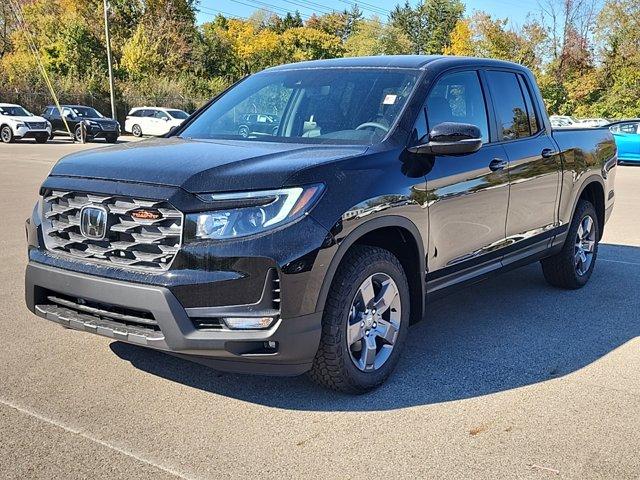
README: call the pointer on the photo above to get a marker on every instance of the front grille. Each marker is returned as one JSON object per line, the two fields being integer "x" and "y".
{"x": 141, "y": 241}
{"x": 107, "y": 127}
{"x": 36, "y": 125}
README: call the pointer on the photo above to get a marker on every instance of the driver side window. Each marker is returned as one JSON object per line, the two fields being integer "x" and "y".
{"x": 457, "y": 97}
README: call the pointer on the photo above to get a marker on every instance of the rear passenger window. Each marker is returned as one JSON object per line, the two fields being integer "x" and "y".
{"x": 458, "y": 97}
{"x": 509, "y": 105}
{"x": 531, "y": 112}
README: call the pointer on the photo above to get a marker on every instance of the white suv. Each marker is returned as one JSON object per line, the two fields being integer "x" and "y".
{"x": 17, "y": 123}
{"x": 153, "y": 120}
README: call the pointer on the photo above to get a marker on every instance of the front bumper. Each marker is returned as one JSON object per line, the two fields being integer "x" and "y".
{"x": 26, "y": 132}
{"x": 295, "y": 339}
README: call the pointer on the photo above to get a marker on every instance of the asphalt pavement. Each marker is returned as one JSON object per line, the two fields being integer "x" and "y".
{"x": 509, "y": 378}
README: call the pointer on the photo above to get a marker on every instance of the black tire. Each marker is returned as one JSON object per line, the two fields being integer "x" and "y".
{"x": 561, "y": 270}
{"x": 111, "y": 138}
{"x": 136, "y": 131}
{"x": 52, "y": 136}
{"x": 6, "y": 134}
{"x": 42, "y": 138}
{"x": 333, "y": 366}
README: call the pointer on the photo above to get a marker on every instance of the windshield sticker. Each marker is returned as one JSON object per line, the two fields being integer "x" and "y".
{"x": 389, "y": 99}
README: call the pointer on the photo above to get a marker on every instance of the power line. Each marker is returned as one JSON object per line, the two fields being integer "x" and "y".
{"x": 367, "y": 6}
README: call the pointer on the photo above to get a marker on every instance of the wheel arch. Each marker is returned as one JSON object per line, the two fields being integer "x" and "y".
{"x": 398, "y": 235}
{"x": 592, "y": 189}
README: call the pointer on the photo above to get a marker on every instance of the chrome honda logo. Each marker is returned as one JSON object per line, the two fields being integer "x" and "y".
{"x": 93, "y": 222}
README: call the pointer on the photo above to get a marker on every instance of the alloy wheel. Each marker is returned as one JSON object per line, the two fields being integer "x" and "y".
{"x": 6, "y": 135}
{"x": 374, "y": 322}
{"x": 585, "y": 245}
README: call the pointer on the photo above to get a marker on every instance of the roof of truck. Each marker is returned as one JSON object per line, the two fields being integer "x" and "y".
{"x": 416, "y": 62}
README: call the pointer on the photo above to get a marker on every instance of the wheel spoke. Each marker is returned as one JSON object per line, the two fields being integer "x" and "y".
{"x": 368, "y": 354}
{"x": 387, "y": 295}
{"x": 583, "y": 257}
{"x": 386, "y": 331}
{"x": 588, "y": 245}
{"x": 577, "y": 258}
{"x": 367, "y": 293}
{"x": 580, "y": 231}
{"x": 354, "y": 332}
{"x": 588, "y": 225}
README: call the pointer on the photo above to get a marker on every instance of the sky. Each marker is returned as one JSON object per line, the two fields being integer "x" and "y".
{"x": 515, "y": 10}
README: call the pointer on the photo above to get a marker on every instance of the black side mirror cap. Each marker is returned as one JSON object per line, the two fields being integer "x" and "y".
{"x": 451, "y": 138}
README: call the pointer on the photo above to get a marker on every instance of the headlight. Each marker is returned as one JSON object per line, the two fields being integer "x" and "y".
{"x": 236, "y": 215}
{"x": 20, "y": 125}
{"x": 94, "y": 124}
{"x": 48, "y": 124}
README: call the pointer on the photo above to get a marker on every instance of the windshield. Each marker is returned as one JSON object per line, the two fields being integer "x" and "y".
{"x": 14, "y": 112}
{"x": 335, "y": 106}
{"x": 179, "y": 114}
{"x": 86, "y": 112}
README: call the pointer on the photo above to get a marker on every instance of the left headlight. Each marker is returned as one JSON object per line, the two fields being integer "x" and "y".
{"x": 241, "y": 214}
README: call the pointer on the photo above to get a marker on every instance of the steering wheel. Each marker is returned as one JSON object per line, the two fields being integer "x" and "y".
{"x": 374, "y": 125}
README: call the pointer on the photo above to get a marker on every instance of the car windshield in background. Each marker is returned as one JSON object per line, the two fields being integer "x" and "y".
{"x": 14, "y": 112}
{"x": 334, "y": 106}
{"x": 179, "y": 114}
{"x": 86, "y": 112}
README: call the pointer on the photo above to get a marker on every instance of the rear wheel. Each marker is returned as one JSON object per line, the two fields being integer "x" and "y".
{"x": 6, "y": 134}
{"x": 572, "y": 267}
{"x": 136, "y": 130}
{"x": 365, "y": 322}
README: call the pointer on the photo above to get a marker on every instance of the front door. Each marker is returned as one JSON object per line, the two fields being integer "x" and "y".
{"x": 467, "y": 195}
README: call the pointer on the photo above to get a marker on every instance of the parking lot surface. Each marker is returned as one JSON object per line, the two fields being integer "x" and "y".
{"x": 510, "y": 378}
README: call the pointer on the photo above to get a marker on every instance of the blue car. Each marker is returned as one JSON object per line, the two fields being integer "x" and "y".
{"x": 627, "y": 135}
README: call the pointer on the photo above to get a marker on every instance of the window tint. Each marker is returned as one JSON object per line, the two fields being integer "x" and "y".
{"x": 509, "y": 105}
{"x": 531, "y": 112}
{"x": 161, "y": 114}
{"x": 458, "y": 97}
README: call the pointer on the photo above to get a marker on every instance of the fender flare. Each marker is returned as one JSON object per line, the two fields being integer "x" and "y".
{"x": 593, "y": 178}
{"x": 358, "y": 233}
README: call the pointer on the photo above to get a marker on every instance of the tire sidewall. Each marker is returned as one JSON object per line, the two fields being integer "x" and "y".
{"x": 374, "y": 378}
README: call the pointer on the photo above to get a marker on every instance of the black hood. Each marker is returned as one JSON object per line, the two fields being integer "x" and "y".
{"x": 201, "y": 166}
{"x": 100, "y": 120}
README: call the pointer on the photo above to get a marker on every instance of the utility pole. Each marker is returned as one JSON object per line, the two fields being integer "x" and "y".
{"x": 106, "y": 32}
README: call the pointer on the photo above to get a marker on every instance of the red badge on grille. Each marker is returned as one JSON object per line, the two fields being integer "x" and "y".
{"x": 145, "y": 215}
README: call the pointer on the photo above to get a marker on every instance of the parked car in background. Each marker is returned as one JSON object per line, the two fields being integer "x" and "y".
{"x": 627, "y": 136}
{"x": 594, "y": 122}
{"x": 256, "y": 124}
{"x": 17, "y": 123}
{"x": 98, "y": 126}
{"x": 562, "y": 121}
{"x": 153, "y": 120}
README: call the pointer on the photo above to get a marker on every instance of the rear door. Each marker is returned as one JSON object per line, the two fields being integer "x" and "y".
{"x": 468, "y": 194}
{"x": 534, "y": 162}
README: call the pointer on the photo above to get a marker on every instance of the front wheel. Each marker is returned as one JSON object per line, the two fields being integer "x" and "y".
{"x": 6, "y": 134}
{"x": 572, "y": 267}
{"x": 42, "y": 138}
{"x": 111, "y": 138}
{"x": 365, "y": 322}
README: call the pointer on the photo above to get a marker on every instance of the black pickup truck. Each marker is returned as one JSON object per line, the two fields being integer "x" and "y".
{"x": 388, "y": 181}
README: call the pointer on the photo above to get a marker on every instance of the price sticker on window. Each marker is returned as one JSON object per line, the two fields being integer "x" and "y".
{"x": 390, "y": 99}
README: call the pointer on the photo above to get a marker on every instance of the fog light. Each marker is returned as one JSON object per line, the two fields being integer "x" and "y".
{"x": 246, "y": 323}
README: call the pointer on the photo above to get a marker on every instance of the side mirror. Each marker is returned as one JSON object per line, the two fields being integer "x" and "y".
{"x": 451, "y": 138}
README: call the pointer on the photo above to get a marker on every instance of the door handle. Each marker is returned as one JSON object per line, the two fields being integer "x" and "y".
{"x": 548, "y": 153}
{"x": 498, "y": 164}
